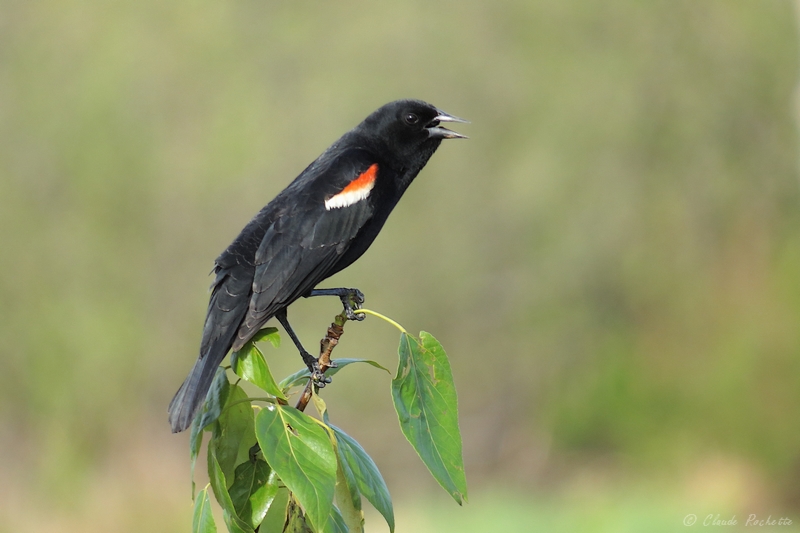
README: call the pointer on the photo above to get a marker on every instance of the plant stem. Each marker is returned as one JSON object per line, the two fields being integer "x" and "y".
{"x": 326, "y": 346}
{"x": 386, "y": 318}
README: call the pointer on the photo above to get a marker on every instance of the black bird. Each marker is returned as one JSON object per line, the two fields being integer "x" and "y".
{"x": 322, "y": 222}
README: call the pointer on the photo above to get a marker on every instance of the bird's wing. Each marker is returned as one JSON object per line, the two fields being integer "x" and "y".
{"x": 228, "y": 304}
{"x": 288, "y": 247}
{"x": 226, "y": 309}
{"x": 304, "y": 242}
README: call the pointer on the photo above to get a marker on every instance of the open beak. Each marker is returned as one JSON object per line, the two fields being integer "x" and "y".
{"x": 437, "y": 132}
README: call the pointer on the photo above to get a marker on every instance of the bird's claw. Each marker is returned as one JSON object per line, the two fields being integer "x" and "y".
{"x": 317, "y": 377}
{"x": 352, "y": 302}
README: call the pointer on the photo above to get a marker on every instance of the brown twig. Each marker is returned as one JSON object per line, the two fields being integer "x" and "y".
{"x": 326, "y": 346}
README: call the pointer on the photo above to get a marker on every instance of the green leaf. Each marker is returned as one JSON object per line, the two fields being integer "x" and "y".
{"x": 268, "y": 334}
{"x": 295, "y": 519}
{"x": 349, "y": 477}
{"x": 253, "y": 491}
{"x": 320, "y": 405}
{"x": 251, "y": 365}
{"x": 425, "y": 400}
{"x": 346, "y": 499}
{"x": 300, "y": 377}
{"x": 301, "y": 452}
{"x": 276, "y": 516}
{"x": 215, "y": 399}
{"x": 195, "y": 442}
{"x": 336, "y": 523}
{"x": 361, "y": 473}
{"x": 202, "y": 519}
{"x": 212, "y": 407}
{"x": 219, "y": 485}
{"x": 234, "y": 434}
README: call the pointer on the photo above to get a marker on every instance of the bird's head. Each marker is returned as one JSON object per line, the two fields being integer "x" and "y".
{"x": 411, "y": 128}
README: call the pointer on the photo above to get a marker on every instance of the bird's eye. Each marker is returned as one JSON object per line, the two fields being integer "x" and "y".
{"x": 411, "y": 118}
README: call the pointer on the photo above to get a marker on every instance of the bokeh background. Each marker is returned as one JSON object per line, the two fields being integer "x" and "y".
{"x": 612, "y": 260}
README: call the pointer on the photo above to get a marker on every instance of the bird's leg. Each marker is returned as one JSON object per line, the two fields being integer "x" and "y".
{"x": 311, "y": 362}
{"x": 351, "y": 300}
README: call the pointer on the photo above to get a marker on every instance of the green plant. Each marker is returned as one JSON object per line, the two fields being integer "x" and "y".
{"x": 272, "y": 467}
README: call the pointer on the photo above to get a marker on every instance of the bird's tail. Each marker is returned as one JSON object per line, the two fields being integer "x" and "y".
{"x": 226, "y": 309}
{"x": 192, "y": 394}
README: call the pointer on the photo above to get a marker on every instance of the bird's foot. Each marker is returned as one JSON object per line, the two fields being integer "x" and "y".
{"x": 352, "y": 301}
{"x": 317, "y": 376}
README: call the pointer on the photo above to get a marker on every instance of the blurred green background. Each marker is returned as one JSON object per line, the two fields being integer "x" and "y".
{"x": 612, "y": 260}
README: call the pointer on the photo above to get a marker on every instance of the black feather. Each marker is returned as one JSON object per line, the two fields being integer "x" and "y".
{"x": 295, "y": 242}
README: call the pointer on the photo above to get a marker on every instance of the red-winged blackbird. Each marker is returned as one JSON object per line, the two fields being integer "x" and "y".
{"x": 322, "y": 222}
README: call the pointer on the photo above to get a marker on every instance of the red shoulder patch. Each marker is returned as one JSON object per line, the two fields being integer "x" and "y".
{"x": 355, "y": 191}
